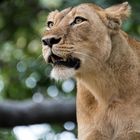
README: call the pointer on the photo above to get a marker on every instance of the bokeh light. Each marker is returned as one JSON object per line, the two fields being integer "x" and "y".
{"x": 69, "y": 126}
{"x": 68, "y": 85}
{"x": 32, "y": 132}
{"x": 21, "y": 42}
{"x": 66, "y": 136}
{"x": 43, "y": 132}
{"x": 21, "y": 66}
{"x": 30, "y": 82}
{"x": 51, "y": 3}
{"x": 34, "y": 46}
{"x": 37, "y": 97}
{"x": 52, "y": 91}
{"x": 1, "y": 85}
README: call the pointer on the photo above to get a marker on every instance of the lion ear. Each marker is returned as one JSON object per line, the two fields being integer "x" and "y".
{"x": 116, "y": 14}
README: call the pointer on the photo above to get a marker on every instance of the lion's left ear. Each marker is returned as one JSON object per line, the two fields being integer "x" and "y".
{"x": 116, "y": 14}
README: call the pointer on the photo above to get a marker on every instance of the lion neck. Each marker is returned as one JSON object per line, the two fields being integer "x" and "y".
{"x": 113, "y": 83}
{"x": 117, "y": 78}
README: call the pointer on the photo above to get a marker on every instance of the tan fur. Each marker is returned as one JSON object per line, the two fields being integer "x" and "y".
{"x": 108, "y": 80}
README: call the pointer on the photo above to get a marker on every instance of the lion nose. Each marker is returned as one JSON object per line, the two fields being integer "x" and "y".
{"x": 51, "y": 41}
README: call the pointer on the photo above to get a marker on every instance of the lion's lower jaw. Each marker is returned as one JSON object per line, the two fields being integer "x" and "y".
{"x": 62, "y": 73}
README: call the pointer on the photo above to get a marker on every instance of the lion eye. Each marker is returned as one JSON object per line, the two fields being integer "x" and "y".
{"x": 79, "y": 20}
{"x": 50, "y": 24}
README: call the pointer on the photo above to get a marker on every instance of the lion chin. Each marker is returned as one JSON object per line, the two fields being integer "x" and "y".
{"x": 62, "y": 73}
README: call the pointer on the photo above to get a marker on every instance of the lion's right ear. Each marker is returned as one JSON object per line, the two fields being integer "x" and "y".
{"x": 116, "y": 14}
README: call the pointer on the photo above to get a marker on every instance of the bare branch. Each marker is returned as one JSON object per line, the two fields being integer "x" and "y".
{"x": 13, "y": 113}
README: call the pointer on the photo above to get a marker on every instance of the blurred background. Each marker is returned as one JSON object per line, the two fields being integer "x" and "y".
{"x": 24, "y": 74}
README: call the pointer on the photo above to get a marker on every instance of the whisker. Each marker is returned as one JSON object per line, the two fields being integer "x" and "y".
{"x": 92, "y": 59}
{"x": 41, "y": 61}
{"x": 37, "y": 59}
{"x": 88, "y": 56}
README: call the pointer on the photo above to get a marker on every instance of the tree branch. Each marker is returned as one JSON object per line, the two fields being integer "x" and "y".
{"x": 13, "y": 113}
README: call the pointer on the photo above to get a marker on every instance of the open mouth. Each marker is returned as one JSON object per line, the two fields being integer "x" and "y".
{"x": 70, "y": 62}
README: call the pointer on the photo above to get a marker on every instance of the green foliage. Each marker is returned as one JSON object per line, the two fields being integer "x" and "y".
{"x": 23, "y": 72}
{"x": 7, "y": 135}
{"x": 22, "y": 66}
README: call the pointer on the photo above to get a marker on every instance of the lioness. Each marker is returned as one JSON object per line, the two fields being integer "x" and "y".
{"x": 86, "y": 42}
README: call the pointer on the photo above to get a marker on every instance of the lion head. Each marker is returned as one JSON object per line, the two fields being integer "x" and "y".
{"x": 78, "y": 38}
